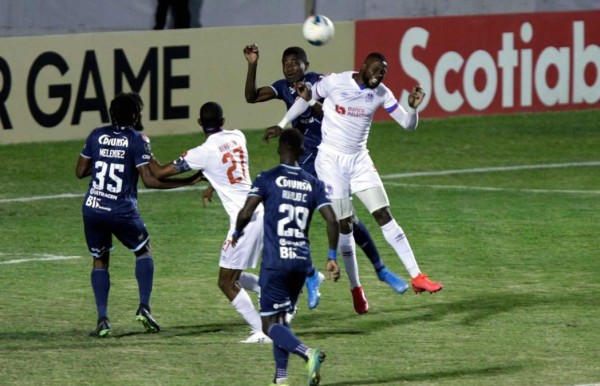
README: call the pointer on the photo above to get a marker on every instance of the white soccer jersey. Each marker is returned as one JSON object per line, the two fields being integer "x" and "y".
{"x": 223, "y": 158}
{"x": 349, "y": 110}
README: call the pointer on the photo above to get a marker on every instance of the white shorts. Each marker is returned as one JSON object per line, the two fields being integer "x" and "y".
{"x": 246, "y": 252}
{"x": 347, "y": 174}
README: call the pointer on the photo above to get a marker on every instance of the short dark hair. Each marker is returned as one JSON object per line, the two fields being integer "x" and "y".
{"x": 298, "y": 52}
{"x": 124, "y": 110}
{"x": 291, "y": 138}
{"x": 376, "y": 55}
{"x": 211, "y": 115}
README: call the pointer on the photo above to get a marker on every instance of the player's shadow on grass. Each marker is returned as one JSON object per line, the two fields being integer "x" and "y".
{"x": 480, "y": 307}
{"x": 191, "y": 330}
{"x": 434, "y": 376}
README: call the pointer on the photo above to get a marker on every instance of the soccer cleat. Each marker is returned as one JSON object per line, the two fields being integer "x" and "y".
{"x": 103, "y": 328}
{"x": 144, "y": 316}
{"x": 281, "y": 382}
{"x": 392, "y": 280}
{"x": 422, "y": 283}
{"x": 257, "y": 337}
{"x": 312, "y": 286}
{"x": 361, "y": 305}
{"x": 315, "y": 360}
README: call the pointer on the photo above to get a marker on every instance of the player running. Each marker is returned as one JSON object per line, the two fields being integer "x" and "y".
{"x": 290, "y": 195}
{"x": 223, "y": 159}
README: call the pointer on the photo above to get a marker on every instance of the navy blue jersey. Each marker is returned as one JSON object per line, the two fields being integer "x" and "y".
{"x": 309, "y": 122}
{"x": 290, "y": 196}
{"x": 115, "y": 154}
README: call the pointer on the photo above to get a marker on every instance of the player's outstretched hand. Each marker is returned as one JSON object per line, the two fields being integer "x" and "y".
{"x": 303, "y": 90}
{"x": 251, "y": 53}
{"x": 235, "y": 237}
{"x": 272, "y": 132}
{"x": 207, "y": 195}
{"x": 416, "y": 97}
{"x": 197, "y": 177}
{"x": 333, "y": 269}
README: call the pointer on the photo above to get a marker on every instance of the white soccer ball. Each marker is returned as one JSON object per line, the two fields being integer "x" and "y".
{"x": 318, "y": 30}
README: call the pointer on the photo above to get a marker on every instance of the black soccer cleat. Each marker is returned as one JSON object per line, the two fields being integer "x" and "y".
{"x": 144, "y": 316}
{"x": 103, "y": 328}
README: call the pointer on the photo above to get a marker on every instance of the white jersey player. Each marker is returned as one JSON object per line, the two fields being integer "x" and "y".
{"x": 223, "y": 159}
{"x": 344, "y": 163}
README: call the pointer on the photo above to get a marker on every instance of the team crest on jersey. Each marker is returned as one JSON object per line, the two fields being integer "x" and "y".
{"x": 369, "y": 98}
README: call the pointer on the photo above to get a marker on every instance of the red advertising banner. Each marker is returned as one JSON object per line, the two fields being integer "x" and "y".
{"x": 492, "y": 64}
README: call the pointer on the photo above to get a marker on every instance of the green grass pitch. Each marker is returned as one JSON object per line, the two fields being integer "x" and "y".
{"x": 503, "y": 210}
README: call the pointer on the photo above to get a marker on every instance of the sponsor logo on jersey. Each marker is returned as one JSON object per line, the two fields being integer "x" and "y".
{"x": 107, "y": 140}
{"x": 284, "y": 182}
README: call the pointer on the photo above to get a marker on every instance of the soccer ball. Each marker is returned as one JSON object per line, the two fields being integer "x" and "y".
{"x": 318, "y": 30}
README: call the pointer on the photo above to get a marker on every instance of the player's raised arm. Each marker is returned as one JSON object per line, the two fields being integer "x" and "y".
{"x": 299, "y": 106}
{"x": 407, "y": 120}
{"x": 251, "y": 92}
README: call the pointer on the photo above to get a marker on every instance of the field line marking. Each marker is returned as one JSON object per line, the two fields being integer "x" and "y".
{"x": 489, "y": 169}
{"x": 42, "y": 257}
{"x": 490, "y": 189}
{"x": 383, "y": 177}
{"x": 80, "y": 195}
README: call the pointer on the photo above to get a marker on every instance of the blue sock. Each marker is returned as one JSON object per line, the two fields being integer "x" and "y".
{"x": 144, "y": 273}
{"x": 281, "y": 362}
{"x": 363, "y": 239}
{"x": 284, "y": 338}
{"x": 101, "y": 285}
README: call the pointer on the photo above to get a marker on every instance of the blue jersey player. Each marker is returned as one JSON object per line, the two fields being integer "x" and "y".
{"x": 295, "y": 69}
{"x": 115, "y": 156}
{"x": 289, "y": 195}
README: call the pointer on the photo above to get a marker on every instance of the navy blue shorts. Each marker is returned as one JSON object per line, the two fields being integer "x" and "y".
{"x": 129, "y": 230}
{"x": 279, "y": 290}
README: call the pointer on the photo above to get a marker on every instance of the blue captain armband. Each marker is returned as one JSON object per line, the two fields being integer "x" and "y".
{"x": 181, "y": 165}
{"x": 332, "y": 254}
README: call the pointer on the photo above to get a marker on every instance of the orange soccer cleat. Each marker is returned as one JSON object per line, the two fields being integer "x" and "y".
{"x": 422, "y": 283}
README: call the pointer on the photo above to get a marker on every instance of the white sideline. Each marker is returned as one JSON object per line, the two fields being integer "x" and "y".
{"x": 38, "y": 257}
{"x": 490, "y": 169}
{"x": 383, "y": 177}
{"x": 490, "y": 189}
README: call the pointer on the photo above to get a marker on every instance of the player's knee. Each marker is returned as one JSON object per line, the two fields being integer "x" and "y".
{"x": 346, "y": 225}
{"x": 383, "y": 215}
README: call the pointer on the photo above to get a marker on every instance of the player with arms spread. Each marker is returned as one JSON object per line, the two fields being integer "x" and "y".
{"x": 295, "y": 69}
{"x": 343, "y": 162}
{"x": 223, "y": 159}
{"x": 290, "y": 195}
{"x": 115, "y": 156}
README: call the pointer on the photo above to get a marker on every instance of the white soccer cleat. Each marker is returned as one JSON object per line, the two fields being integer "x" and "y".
{"x": 257, "y": 337}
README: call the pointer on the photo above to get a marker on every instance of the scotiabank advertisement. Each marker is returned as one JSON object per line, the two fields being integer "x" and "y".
{"x": 492, "y": 64}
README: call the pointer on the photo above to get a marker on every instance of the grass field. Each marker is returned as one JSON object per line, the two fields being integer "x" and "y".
{"x": 503, "y": 210}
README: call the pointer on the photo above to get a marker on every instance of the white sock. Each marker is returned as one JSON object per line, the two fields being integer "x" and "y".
{"x": 244, "y": 306}
{"x": 395, "y": 236}
{"x": 347, "y": 248}
{"x": 249, "y": 282}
